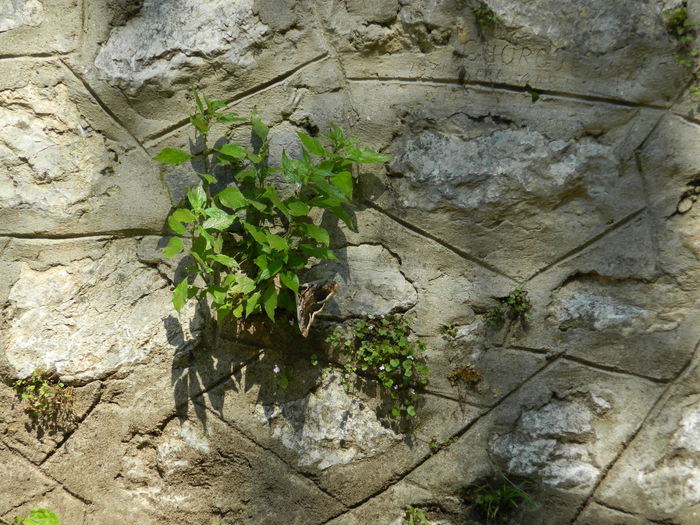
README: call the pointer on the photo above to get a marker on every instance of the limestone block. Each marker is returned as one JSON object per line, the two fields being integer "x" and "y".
{"x": 336, "y": 429}
{"x": 561, "y": 429}
{"x": 31, "y": 27}
{"x": 224, "y": 48}
{"x": 333, "y": 435}
{"x": 509, "y": 195}
{"x": 620, "y": 51}
{"x": 86, "y": 309}
{"x": 67, "y": 507}
{"x": 370, "y": 281}
{"x": 24, "y": 478}
{"x": 595, "y": 514}
{"x": 668, "y": 162}
{"x": 35, "y": 439}
{"x": 657, "y": 476}
{"x": 66, "y": 167}
{"x": 611, "y": 304}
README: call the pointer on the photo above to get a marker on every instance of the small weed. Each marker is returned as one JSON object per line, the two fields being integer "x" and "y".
{"x": 683, "y": 30}
{"x": 485, "y": 17}
{"x": 35, "y": 517}
{"x": 516, "y": 306}
{"x": 466, "y": 374}
{"x": 498, "y": 498}
{"x": 435, "y": 445}
{"x": 415, "y": 516}
{"x": 449, "y": 331}
{"x": 534, "y": 95}
{"x": 44, "y": 399}
{"x": 383, "y": 347}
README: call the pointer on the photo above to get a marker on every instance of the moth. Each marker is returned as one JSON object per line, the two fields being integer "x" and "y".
{"x": 312, "y": 298}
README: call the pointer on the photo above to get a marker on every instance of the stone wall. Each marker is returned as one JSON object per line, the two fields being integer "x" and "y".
{"x": 582, "y": 193}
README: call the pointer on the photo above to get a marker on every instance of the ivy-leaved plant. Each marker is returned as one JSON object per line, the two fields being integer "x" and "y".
{"x": 247, "y": 241}
{"x": 383, "y": 347}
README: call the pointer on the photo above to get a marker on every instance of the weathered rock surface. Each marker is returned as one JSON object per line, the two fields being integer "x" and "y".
{"x": 14, "y": 13}
{"x": 328, "y": 427}
{"x": 658, "y": 474}
{"x": 86, "y": 309}
{"x": 554, "y": 150}
{"x": 178, "y": 36}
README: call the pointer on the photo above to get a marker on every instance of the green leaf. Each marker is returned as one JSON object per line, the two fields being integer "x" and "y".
{"x": 176, "y": 226}
{"x": 277, "y": 243}
{"x": 246, "y": 175}
{"x": 261, "y": 261}
{"x": 396, "y": 411}
{"x": 271, "y": 194}
{"x": 259, "y": 236}
{"x": 290, "y": 280}
{"x": 269, "y": 299}
{"x": 208, "y": 178}
{"x": 343, "y": 181}
{"x": 328, "y": 189}
{"x": 227, "y": 261}
{"x": 274, "y": 266}
{"x": 175, "y": 246}
{"x": 319, "y": 253}
{"x": 251, "y": 303}
{"x": 42, "y": 517}
{"x": 411, "y": 410}
{"x": 259, "y": 127}
{"x": 244, "y": 285}
{"x": 199, "y": 123}
{"x": 197, "y": 197}
{"x": 232, "y": 150}
{"x": 180, "y": 295}
{"x": 297, "y": 208}
{"x": 183, "y": 215}
{"x": 231, "y": 197}
{"x": 229, "y": 117}
{"x": 317, "y": 233}
{"x": 172, "y": 156}
{"x": 365, "y": 155}
{"x": 218, "y": 219}
{"x": 312, "y": 145}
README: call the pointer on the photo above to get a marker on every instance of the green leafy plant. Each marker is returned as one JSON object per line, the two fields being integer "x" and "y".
{"x": 449, "y": 331}
{"x": 516, "y": 306}
{"x": 415, "y": 516}
{"x": 466, "y": 374}
{"x": 436, "y": 446}
{"x": 485, "y": 17}
{"x": 684, "y": 31}
{"x": 36, "y": 517}
{"x": 383, "y": 347}
{"x": 498, "y": 498}
{"x": 247, "y": 241}
{"x": 43, "y": 397}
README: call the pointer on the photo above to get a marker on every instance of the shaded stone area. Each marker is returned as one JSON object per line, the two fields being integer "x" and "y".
{"x": 554, "y": 150}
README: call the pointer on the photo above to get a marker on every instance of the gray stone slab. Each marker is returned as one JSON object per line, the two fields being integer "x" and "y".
{"x": 87, "y": 309}
{"x": 40, "y": 27}
{"x": 611, "y": 304}
{"x": 224, "y": 49}
{"x": 514, "y": 184}
{"x": 620, "y": 51}
{"x": 71, "y": 170}
{"x": 657, "y": 476}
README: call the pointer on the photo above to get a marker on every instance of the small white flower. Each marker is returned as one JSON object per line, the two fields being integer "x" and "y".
{"x": 276, "y": 370}
{"x": 370, "y": 327}
{"x": 403, "y": 407}
{"x": 381, "y": 368}
{"x": 411, "y": 357}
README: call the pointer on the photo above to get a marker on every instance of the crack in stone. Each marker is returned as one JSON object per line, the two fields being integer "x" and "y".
{"x": 513, "y": 89}
{"x": 455, "y": 436}
{"x": 651, "y": 413}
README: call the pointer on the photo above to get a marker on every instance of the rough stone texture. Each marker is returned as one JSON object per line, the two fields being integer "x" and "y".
{"x": 85, "y": 310}
{"x": 586, "y": 197}
{"x": 14, "y": 13}
{"x": 39, "y": 27}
